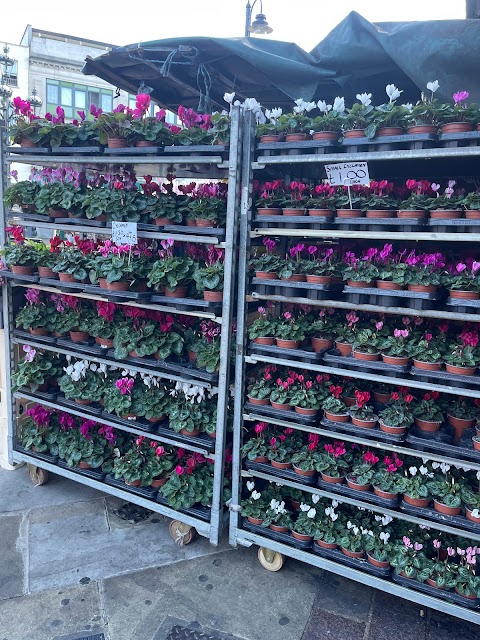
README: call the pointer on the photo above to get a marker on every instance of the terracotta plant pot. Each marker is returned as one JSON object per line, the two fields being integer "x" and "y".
{"x": 29, "y": 144}
{"x": 288, "y": 211}
{"x": 389, "y": 131}
{"x": 281, "y": 407}
{"x": 349, "y": 213}
{"x": 192, "y": 356}
{"x": 464, "y": 596}
{"x": 301, "y": 536}
{"x": 326, "y": 545}
{"x": 269, "y": 138}
{"x": 83, "y": 465}
{"x": 388, "y": 284}
{"x": 382, "y": 398}
{"x": 135, "y": 483}
{"x": 144, "y": 143}
{"x": 266, "y": 275}
{"x": 430, "y": 426}
{"x": 46, "y": 272}
{"x": 476, "y": 445}
{"x": 369, "y": 357}
{"x": 254, "y": 520}
{"x": 261, "y": 402}
{"x": 204, "y": 222}
{"x": 78, "y": 336}
{"x": 275, "y": 527}
{"x": 332, "y": 479}
{"x": 102, "y": 283}
{"x": 345, "y": 348}
{"x": 349, "y": 401}
{"x": 295, "y": 505}
{"x": 280, "y": 465}
{"x": 265, "y": 211}
{"x": 39, "y": 331}
{"x": 460, "y": 371}
{"x": 66, "y": 277}
{"x": 119, "y": 285}
{"x": 381, "y": 564}
{"x": 157, "y": 419}
{"x": 162, "y": 222}
{"x": 379, "y": 213}
{"x": 190, "y": 223}
{"x": 396, "y": 360}
{"x": 134, "y": 354}
{"x": 427, "y": 366}
{"x": 360, "y": 284}
{"x": 265, "y": 340}
{"x": 352, "y": 554}
{"x": 457, "y": 127}
{"x": 326, "y": 135}
{"x": 397, "y": 431}
{"x": 448, "y": 511}
{"x": 472, "y": 214}
{"x": 306, "y": 412}
{"x": 464, "y": 295}
{"x": 261, "y": 459}
{"x": 411, "y": 214}
{"x": 117, "y": 143}
{"x": 469, "y": 516}
{"x": 84, "y": 403}
{"x": 106, "y": 343}
{"x": 57, "y": 213}
{"x": 309, "y": 473}
{"x": 355, "y": 485}
{"x": 158, "y": 482}
{"x": 320, "y": 344}
{"x": 319, "y": 279}
{"x": 337, "y": 417}
{"x": 422, "y": 128}
{"x": 460, "y": 425}
{"x": 320, "y": 213}
{"x": 354, "y": 133}
{"x": 366, "y": 424}
{"x": 445, "y": 214}
{"x": 384, "y": 494}
{"x": 213, "y": 296}
{"x": 22, "y": 269}
{"x": 295, "y": 277}
{"x": 179, "y": 292}
{"x": 193, "y": 433}
{"x": 422, "y": 288}
{"x": 287, "y": 344}
{"x": 416, "y": 502}
{"x": 295, "y": 137}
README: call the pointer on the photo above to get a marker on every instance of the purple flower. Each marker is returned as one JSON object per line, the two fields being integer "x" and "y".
{"x": 417, "y": 546}
{"x": 33, "y": 296}
{"x": 437, "y": 544}
{"x": 450, "y": 551}
{"x": 460, "y": 96}
{"x": 29, "y": 353}
{"x": 312, "y": 250}
{"x": 460, "y": 267}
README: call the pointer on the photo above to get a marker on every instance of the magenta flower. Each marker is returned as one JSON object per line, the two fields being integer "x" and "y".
{"x": 407, "y": 543}
{"x": 460, "y": 267}
{"x": 124, "y": 385}
{"x": 379, "y": 325}
{"x": 33, "y": 296}
{"x": 179, "y": 470}
{"x": 400, "y": 333}
{"x": 460, "y": 96}
{"x": 29, "y": 353}
{"x": 312, "y": 250}
{"x": 287, "y": 315}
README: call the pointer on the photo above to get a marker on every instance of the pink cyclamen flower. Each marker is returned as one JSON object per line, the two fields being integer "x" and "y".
{"x": 29, "y": 353}
{"x": 407, "y": 543}
{"x": 450, "y": 551}
{"x": 179, "y": 470}
{"x": 417, "y": 546}
{"x": 437, "y": 544}
{"x": 460, "y": 96}
{"x": 379, "y": 325}
{"x": 32, "y": 296}
{"x": 287, "y": 315}
{"x": 460, "y": 267}
{"x": 400, "y": 333}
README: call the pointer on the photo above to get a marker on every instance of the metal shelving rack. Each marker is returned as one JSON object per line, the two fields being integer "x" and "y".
{"x": 301, "y": 165}
{"x": 190, "y": 165}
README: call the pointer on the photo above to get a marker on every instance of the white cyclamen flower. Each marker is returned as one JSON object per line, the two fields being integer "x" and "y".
{"x": 413, "y": 471}
{"x": 476, "y": 513}
{"x": 333, "y": 516}
{"x": 315, "y": 498}
{"x": 409, "y": 106}
{"x": 433, "y": 86}
{"x": 323, "y": 106}
{"x": 273, "y": 114}
{"x": 364, "y": 98}
{"x": 392, "y": 92}
{"x": 311, "y": 513}
{"x": 349, "y": 525}
{"x": 228, "y": 97}
{"x": 250, "y": 485}
{"x": 423, "y": 470}
{"x": 250, "y": 104}
{"x": 356, "y": 531}
{"x": 256, "y": 495}
{"x": 384, "y": 537}
{"x": 339, "y": 105}
{"x": 304, "y": 507}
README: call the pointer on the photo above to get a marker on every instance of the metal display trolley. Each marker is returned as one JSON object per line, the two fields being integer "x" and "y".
{"x": 306, "y": 159}
{"x": 215, "y": 162}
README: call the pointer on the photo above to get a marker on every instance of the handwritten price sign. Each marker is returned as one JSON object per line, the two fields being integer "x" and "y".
{"x": 124, "y": 233}
{"x": 348, "y": 173}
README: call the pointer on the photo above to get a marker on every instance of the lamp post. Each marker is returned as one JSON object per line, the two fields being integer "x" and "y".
{"x": 6, "y": 63}
{"x": 260, "y": 24}
{"x": 35, "y": 100}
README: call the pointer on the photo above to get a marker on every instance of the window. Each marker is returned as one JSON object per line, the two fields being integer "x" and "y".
{"x": 12, "y": 75}
{"x": 74, "y": 97}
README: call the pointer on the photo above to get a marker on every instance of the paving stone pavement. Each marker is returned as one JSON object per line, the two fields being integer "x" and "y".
{"x": 70, "y": 568}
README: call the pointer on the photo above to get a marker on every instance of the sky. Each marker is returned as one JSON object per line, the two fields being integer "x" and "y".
{"x": 121, "y": 22}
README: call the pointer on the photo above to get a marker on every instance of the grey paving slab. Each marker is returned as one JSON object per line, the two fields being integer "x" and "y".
{"x": 71, "y": 543}
{"x": 230, "y": 593}
{"x": 47, "y": 615}
{"x": 112, "y": 504}
{"x": 444, "y": 627}
{"x": 343, "y": 597}
{"x": 17, "y": 492}
{"x": 328, "y": 625}
{"x": 12, "y": 557}
{"x": 394, "y": 617}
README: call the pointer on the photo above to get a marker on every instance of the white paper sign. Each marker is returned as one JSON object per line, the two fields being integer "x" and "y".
{"x": 124, "y": 233}
{"x": 348, "y": 173}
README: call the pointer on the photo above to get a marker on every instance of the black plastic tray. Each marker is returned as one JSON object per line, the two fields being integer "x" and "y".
{"x": 46, "y": 457}
{"x": 94, "y": 150}
{"x": 96, "y": 225}
{"x": 450, "y": 596}
{"x": 451, "y": 379}
{"x": 26, "y": 337}
{"x": 30, "y": 216}
{"x": 202, "y": 440}
{"x": 460, "y": 135}
{"x": 318, "y": 146}
{"x": 89, "y": 348}
{"x": 390, "y": 297}
{"x": 344, "y": 490}
{"x": 313, "y": 291}
{"x": 196, "y": 149}
{"x": 27, "y": 150}
{"x": 64, "y": 286}
{"x": 288, "y": 474}
{"x": 188, "y": 303}
{"x": 304, "y": 355}
{"x": 263, "y": 221}
{"x": 361, "y": 432}
{"x": 379, "y": 367}
{"x": 117, "y": 296}
{"x": 138, "y": 423}
{"x": 96, "y": 474}
{"x": 430, "y": 514}
{"x": 286, "y": 538}
{"x": 16, "y": 278}
{"x": 463, "y": 306}
{"x": 411, "y": 223}
{"x": 197, "y": 511}
{"x": 49, "y": 396}
{"x": 143, "y": 492}
{"x": 134, "y": 151}
{"x": 93, "y": 409}
{"x": 218, "y": 232}
{"x": 268, "y": 411}
{"x": 441, "y": 442}
{"x": 356, "y": 563}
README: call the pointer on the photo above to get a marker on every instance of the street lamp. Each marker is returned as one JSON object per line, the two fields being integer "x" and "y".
{"x": 5, "y": 90}
{"x": 35, "y": 100}
{"x": 260, "y": 24}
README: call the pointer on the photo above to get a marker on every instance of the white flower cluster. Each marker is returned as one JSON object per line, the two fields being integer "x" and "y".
{"x": 385, "y": 520}
{"x": 422, "y": 469}
{"x": 193, "y": 393}
{"x": 330, "y": 512}
{"x": 79, "y": 369}
{"x": 150, "y": 381}
{"x": 277, "y": 507}
{"x": 310, "y": 511}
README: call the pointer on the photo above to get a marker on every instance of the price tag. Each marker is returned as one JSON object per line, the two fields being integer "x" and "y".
{"x": 124, "y": 233}
{"x": 348, "y": 173}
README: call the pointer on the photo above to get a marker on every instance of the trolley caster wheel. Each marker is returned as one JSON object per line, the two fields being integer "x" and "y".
{"x": 270, "y": 560}
{"x": 38, "y": 476}
{"x": 181, "y": 533}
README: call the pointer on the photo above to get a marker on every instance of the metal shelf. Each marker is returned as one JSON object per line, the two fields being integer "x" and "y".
{"x": 201, "y": 526}
{"x": 351, "y": 373}
{"x": 400, "y": 515}
{"x": 372, "y": 444}
{"x": 245, "y": 538}
{"x": 367, "y": 235}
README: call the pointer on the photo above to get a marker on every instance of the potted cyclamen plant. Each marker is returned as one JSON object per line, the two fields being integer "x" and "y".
{"x": 379, "y": 549}
{"x": 345, "y": 333}
{"x": 71, "y": 265}
{"x": 306, "y": 523}
{"x": 321, "y": 330}
{"x": 267, "y": 131}
{"x": 277, "y": 517}
{"x": 208, "y": 205}
{"x": 360, "y": 272}
{"x": 395, "y": 349}
{"x": 415, "y": 206}
{"x": 289, "y": 331}
{"x": 427, "y": 353}
{"x": 281, "y": 394}
{"x": 427, "y": 412}
{"x": 37, "y": 370}
{"x": 84, "y": 382}
{"x": 152, "y": 401}
{"x": 305, "y": 460}
{"x": 321, "y": 202}
{"x": 425, "y": 271}
{"x": 458, "y": 117}
{"x": 387, "y": 478}
{"x": 449, "y": 492}
{"x": 255, "y": 507}
{"x": 139, "y": 337}
{"x": 410, "y": 560}
{"x": 171, "y": 272}
{"x": 362, "y": 471}
{"x": 102, "y": 327}
{"x": 266, "y": 264}
{"x": 209, "y": 278}
{"x": 462, "y": 359}
{"x": 322, "y": 266}
{"x": 445, "y": 207}
{"x": 37, "y": 316}
{"x": 352, "y": 540}
{"x": 471, "y": 203}
{"x": 467, "y": 580}
{"x": 397, "y": 415}
{"x": 262, "y": 329}
{"x": 361, "y": 413}
{"x": 112, "y": 128}
{"x": 334, "y": 408}
{"x": 296, "y": 196}
{"x": 295, "y": 124}
{"x": 388, "y": 119}
{"x": 424, "y": 116}
{"x": 306, "y": 398}
{"x": 190, "y": 413}
{"x": 259, "y": 389}
{"x": 382, "y": 393}
{"x": 21, "y": 255}
{"x": 280, "y": 450}
{"x": 327, "y": 530}
{"x": 256, "y": 448}
{"x": 21, "y": 194}
{"x": 117, "y": 397}
{"x": 290, "y": 267}
{"x": 366, "y": 343}
{"x": 333, "y": 462}
{"x": 145, "y": 464}
{"x": 462, "y": 414}
{"x": 463, "y": 280}
{"x": 329, "y": 125}
{"x": 357, "y": 118}
{"x": 381, "y": 204}
{"x": 414, "y": 486}
{"x": 40, "y": 430}
{"x": 272, "y": 194}
{"x": 351, "y": 202}
{"x": 86, "y": 447}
